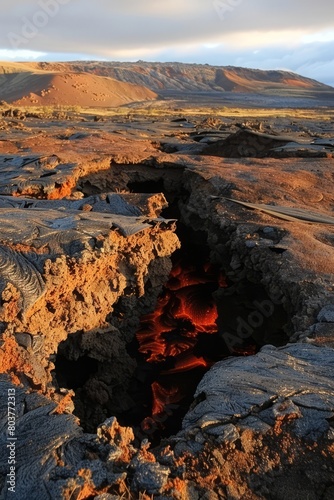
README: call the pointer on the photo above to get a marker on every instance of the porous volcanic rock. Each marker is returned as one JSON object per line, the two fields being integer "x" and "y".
{"x": 260, "y": 427}
{"x": 63, "y": 269}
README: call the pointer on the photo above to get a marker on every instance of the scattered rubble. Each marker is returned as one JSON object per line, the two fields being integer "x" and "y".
{"x": 260, "y": 427}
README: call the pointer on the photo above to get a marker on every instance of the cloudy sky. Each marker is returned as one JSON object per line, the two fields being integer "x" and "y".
{"x": 296, "y": 35}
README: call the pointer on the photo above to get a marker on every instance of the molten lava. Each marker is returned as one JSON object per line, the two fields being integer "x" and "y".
{"x": 169, "y": 335}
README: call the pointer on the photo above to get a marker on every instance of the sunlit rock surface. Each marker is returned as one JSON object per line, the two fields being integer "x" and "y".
{"x": 85, "y": 250}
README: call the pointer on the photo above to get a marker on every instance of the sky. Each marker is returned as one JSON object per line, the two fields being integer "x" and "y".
{"x": 294, "y": 35}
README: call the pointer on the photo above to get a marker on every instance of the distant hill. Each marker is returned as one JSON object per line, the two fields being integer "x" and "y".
{"x": 42, "y": 88}
{"x": 95, "y": 83}
{"x": 191, "y": 77}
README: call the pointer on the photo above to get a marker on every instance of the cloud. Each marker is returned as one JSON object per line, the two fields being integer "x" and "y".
{"x": 104, "y": 25}
{"x": 6, "y": 54}
{"x": 256, "y": 33}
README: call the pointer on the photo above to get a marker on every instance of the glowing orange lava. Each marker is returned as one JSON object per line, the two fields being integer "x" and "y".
{"x": 185, "y": 310}
{"x": 163, "y": 397}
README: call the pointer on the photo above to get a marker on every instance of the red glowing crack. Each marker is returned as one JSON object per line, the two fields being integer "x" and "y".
{"x": 185, "y": 310}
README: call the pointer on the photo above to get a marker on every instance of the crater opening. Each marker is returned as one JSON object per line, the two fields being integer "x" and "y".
{"x": 149, "y": 186}
{"x": 74, "y": 374}
{"x": 145, "y": 366}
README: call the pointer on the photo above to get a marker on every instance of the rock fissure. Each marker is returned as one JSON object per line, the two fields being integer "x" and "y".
{"x": 110, "y": 266}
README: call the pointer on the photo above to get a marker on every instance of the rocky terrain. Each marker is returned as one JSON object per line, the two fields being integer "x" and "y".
{"x": 93, "y": 211}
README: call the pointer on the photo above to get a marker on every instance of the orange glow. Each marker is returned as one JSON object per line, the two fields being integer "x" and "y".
{"x": 245, "y": 351}
{"x": 189, "y": 305}
{"x": 188, "y": 362}
{"x": 187, "y": 275}
{"x": 177, "y": 346}
{"x": 163, "y": 396}
{"x": 185, "y": 310}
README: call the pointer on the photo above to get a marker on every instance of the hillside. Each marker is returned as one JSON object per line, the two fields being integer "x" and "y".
{"x": 67, "y": 88}
{"x": 161, "y": 77}
{"x": 108, "y": 84}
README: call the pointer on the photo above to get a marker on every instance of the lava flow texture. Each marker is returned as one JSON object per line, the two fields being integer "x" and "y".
{"x": 170, "y": 335}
